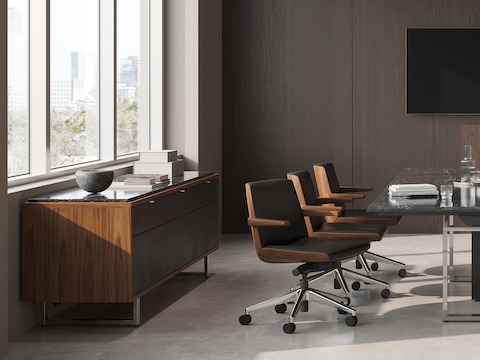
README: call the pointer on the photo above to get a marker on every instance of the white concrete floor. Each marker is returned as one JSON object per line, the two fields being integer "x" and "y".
{"x": 194, "y": 318}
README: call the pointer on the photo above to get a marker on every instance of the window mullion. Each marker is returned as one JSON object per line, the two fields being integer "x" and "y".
{"x": 107, "y": 80}
{"x": 144, "y": 84}
{"x": 156, "y": 75}
{"x": 39, "y": 87}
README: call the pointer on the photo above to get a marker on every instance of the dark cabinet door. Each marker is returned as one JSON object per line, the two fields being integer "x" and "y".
{"x": 141, "y": 262}
{"x": 188, "y": 236}
{"x": 206, "y": 229}
{"x": 158, "y": 253}
{"x": 175, "y": 232}
{"x": 210, "y": 217}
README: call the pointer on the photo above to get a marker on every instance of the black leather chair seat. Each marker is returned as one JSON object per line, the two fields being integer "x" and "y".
{"x": 366, "y": 214}
{"x": 337, "y": 250}
{"x": 352, "y": 228}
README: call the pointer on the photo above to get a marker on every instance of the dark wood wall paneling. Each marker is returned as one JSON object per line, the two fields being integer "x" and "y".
{"x": 319, "y": 80}
{"x": 286, "y": 93}
{"x": 387, "y": 140}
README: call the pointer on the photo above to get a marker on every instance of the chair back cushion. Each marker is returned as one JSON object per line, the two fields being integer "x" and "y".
{"x": 309, "y": 193}
{"x": 332, "y": 176}
{"x": 276, "y": 199}
{"x": 308, "y": 188}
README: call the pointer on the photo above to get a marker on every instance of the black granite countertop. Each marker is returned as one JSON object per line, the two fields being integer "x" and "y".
{"x": 110, "y": 195}
{"x": 466, "y": 197}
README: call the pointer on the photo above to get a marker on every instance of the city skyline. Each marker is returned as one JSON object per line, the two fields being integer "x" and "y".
{"x": 70, "y": 35}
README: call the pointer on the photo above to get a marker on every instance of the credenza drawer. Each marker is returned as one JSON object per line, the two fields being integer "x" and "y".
{"x": 163, "y": 209}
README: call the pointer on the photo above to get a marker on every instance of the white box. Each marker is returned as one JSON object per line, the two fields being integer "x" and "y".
{"x": 172, "y": 168}
{"x": 158, "y": 156}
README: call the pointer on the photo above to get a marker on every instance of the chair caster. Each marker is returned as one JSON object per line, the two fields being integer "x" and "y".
{"x": 356, "y": 285}
{"x": 402, "y": 273}
{"x": 280, "y": 308}
{"x": 346, "y": 301}
{"x": 342, "y": 312}
{"x": 351, "y": 321}
{"x": 289, "y": 328}
{"x": 385, "y": 293}
{"x": 374, "y": 266}
{"x": 245, "y": 319}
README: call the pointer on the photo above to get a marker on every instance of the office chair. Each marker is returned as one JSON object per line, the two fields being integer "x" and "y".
{"x": 316, "y": 227}
{"x": 329, "y": 188}
{"x": 280, "y": 236}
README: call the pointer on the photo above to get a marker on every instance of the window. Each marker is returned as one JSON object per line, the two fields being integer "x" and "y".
{"x": 74, "y": 62}
{"x": 128, "y": 66}
{"x": 18, "y": 87}
{"x": 80, "y": 84}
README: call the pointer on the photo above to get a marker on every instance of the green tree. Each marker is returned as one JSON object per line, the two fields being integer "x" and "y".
{"x": 17, "y": 141}
{"x": 73, "y": 137}
{"x": 127, "y": 126}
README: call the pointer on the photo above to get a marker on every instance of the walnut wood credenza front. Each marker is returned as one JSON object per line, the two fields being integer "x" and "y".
{"x": 116, "y": 246}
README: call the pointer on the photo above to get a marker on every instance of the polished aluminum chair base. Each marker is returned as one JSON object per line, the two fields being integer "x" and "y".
{"x": 340, "y": 283}
{"x": 302, "y": 295}
{"x": 376, "y": 258}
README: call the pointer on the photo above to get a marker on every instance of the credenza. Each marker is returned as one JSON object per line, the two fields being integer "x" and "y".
{"x": 116, "y": 246}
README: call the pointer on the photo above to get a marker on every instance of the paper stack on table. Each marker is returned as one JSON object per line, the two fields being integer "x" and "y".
{"x": 412, "y": 190}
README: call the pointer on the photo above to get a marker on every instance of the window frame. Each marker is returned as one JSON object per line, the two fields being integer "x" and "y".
{"x": 27, "y": 82}
{"x": 151, "y": 113}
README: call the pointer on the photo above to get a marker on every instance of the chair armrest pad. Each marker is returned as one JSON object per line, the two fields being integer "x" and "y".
{"x": 328, "y": 200}
{"x": 267, "y": 222}
{"x": 314, "y": 210}
{"x": 355, "y": 188}
{"x": 350, "y": 196}
{"x": 368, "y": 237}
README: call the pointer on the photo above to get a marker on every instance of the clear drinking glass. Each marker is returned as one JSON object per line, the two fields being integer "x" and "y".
{"x": 467, "y": 164}
{"x": 446, "y": 192}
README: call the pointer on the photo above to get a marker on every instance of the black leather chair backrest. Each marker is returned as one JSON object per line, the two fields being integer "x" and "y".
{"x": 309, "y": 194}
{"x": 276, "y": 199}
{"x": 332, "y": 176}
{"x": 308, "y": 188}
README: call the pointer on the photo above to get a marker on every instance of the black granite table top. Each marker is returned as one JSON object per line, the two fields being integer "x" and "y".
{"x": 466, "y": 197}
{"x": 114, "y": 195}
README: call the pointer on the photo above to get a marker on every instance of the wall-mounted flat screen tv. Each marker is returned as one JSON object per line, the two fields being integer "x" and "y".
{"x": 443, "y": 71}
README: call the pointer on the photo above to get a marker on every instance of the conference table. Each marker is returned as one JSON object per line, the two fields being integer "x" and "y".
{"x": 464, "y": 206}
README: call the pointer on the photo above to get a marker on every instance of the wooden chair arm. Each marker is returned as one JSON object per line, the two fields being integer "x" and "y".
{"x": 368, "y": 237}
{"x": 336, "y": 196}
{"x": 314, "y": 210}
{"x": 338, "y": 202}
{"x": 267, "y": 222}
{"x": 355, "y": 188}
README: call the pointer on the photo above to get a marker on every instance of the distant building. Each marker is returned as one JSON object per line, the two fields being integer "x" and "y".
{"x": 84, "y": 79}
{"x": 129, "y": 71}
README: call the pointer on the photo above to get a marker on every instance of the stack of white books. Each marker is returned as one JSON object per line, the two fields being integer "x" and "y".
{"x": 159, "y": 161}
{"x": 412, "y": 190}
{"x": 139, "y": 182}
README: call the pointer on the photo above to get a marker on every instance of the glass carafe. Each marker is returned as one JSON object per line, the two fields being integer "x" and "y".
{"x": 467, "y": 164}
